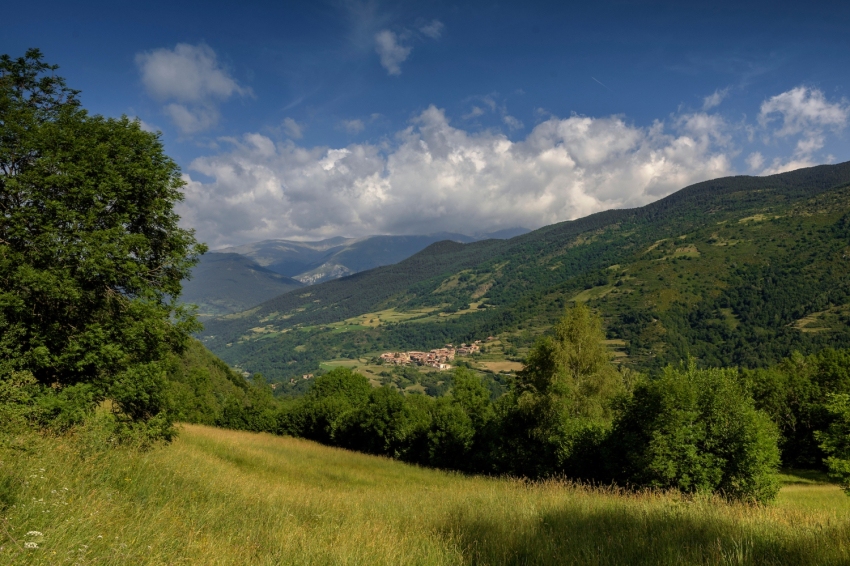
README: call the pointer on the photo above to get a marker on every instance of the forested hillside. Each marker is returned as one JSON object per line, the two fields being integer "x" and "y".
{"x": 740, "y": 270}
{"x": 224, "y": 283}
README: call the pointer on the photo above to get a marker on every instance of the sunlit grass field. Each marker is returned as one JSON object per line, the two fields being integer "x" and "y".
{"x": 223, "y": 497}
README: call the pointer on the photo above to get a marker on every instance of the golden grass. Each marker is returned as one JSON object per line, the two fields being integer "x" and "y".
{"x": 224, "y": 497}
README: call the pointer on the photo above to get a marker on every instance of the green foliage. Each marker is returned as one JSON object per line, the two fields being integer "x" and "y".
{"x": 394, "y": 425}
{"x": 91, "y": 255}
{"x": 327, "y": 413}
{"x": 452, "y": 434}
{"x": 795, "y": 393}
{"x": 562, "y": 396}
{"x": 835, "y": 440}
{"x": 698, "y": 431}
{"x": 203, "y": 389}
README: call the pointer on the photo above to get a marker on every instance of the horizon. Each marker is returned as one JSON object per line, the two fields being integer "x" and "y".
{"x": 313, "y": 120}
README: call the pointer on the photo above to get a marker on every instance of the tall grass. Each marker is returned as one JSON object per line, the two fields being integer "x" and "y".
{"x": 223, "y": 497}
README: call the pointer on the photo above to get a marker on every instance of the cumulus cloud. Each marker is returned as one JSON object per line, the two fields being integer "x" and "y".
{"x": 755, "y": 161}
{"x": 391, "y": 51}
{"x": 714, "y": 99}
{"x": 353, "y": 126}
{"x": 435, "y": 176}
{"x": 293, "y": 129}
{"x": 801, "y": 110}
{"x": 806, "y": 114}
{"x": 190, "y": 79}
{"x": 434, "y": 30}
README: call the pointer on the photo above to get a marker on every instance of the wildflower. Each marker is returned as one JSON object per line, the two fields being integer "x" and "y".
{"x": 30, "y": 545}
{"x": 35, "y": 534}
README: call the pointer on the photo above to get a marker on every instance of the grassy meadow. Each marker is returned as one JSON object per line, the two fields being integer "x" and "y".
{"x": 222, "y": 497}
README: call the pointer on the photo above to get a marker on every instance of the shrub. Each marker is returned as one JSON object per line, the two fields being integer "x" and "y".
{"x": 695, "y": 430}
{"x": 327, "y": 413}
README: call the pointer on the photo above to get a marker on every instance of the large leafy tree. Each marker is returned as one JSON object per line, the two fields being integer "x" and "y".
{"x": 91, "y": 254}
{"x": 562, "y": 399}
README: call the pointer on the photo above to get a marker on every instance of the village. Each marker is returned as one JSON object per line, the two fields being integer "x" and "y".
{"x": 438, "y": 358}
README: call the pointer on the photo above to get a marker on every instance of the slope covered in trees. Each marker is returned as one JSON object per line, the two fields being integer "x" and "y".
{"x": 734, "y": 271}
{"x": 224, "y": 283}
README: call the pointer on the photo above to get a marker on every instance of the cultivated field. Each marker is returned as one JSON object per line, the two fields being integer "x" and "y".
{"x": 224, "y": 497}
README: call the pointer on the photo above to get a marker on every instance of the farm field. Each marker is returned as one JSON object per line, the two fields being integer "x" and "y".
{"x": 223, "y": 497}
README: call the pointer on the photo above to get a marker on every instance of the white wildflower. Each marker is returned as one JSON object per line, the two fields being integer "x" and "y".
{"x": 30, "y": 545}
{"x": 35, "y": 534}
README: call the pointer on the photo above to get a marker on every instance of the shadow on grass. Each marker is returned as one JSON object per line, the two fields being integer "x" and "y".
{"x": 789, "y": 476}
{"x": 664, "y": 535}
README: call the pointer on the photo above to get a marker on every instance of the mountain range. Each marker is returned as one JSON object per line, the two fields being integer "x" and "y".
{"x": 236, "y": 278}
{"x": 224, "y": 283}
{"x": 734, "y": 271}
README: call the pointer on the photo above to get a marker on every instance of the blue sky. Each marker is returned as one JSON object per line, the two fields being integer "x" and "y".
{"x": 314, "y": 119}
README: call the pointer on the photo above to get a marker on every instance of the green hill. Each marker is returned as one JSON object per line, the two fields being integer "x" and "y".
{"x": 735, "y": 271}
{"x": 224, "y": 283}
{"x": 238, "y": 278}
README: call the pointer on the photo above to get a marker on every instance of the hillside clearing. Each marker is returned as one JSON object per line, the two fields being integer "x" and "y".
{"x": 223, "y": 497}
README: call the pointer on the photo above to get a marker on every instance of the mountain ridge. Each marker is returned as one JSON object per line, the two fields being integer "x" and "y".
{"x": 646, "y": 269}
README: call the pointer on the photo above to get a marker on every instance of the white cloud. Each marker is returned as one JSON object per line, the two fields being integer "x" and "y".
{"x": 714, "y": 99}
{"x": 434, "y": 30}
{"x": 391, "y": 51}
{"x": 755, "y": 161}
{"x": 353, "y": 126}
{"x": 191, "y": 80}
{"x": 791, "y": 165}
{"x": 436, "y": 177}
{"x": 803, "y": 110}
{"x": 192, "y": 119}
{"x": 474, "y": 113}
{"x": 806, "y": 114}
{"x": 512, "y": 123}
{"x": 293, "y": 129}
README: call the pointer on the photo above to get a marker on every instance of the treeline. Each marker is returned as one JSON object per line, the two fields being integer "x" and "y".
{"x": 572, "y": 413}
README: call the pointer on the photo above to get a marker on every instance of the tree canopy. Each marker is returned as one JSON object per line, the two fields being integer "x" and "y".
{"x": 91, "y": 253}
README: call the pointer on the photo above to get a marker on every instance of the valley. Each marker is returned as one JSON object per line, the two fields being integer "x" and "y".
{"x": 233, "y": 279}
{"x": 736, "y": 271}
